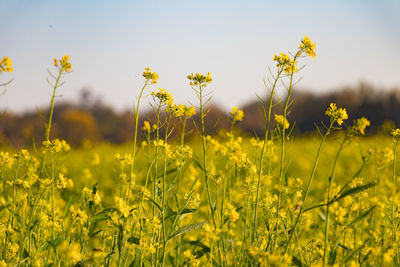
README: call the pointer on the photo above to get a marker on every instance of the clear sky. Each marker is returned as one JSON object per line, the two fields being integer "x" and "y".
{"x": 110, "y": 42}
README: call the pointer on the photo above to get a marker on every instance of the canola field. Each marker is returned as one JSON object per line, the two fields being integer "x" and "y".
{"x": 331, "y": 199}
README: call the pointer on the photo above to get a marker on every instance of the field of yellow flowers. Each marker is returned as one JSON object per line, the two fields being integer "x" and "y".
{"x": 224, "y": 200}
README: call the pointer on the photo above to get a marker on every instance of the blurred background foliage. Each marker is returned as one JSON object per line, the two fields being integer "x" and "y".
{"x": 89, "y": 120}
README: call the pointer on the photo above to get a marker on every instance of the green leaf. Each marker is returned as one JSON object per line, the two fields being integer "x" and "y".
{"x": 174, "y": 213}
{"x": 155, "y": 203}
{"x": 187, "y": 228}
{"x": 95, "y": 233}
{"x": 25, "y": 254}
{"x": 332, "y": 257}
{"x": 135, "y": 262}
{"x": 106, "y": 211}
{"x": 352, "y": 191}
{"x": 360, "y": 217}
{"x": 197, "y": 163}
{"x": 297, "y": 262}
{"x": 167, "y": 172}
{"x": 351, "y": 254}
{"x": 98, "y": 218}
{"x": 133, "y": 240}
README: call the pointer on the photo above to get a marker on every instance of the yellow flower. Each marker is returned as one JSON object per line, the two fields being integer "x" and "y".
{"x": 71, "y": 252}
{"x": 150, "y": 76}
{"x": 146, "y": 126}
{"x": 237, "y": 114}
{"x": 198, "y": 79}
{"x": 5, "y": 65}
{"x": 281, "y": 121}
{"x": 336, "y": 114}
{"x": 176, "y": 110}
{"x": 231, "y": 212}
{"x": 56, "y": 146}
{"x": 360, "y": 124}
{"x": 190, "y": 111}
{"x": 284, "y": 62}
{"x": 308, "y": 46}
{"x": 63, "y": 64}
{"x": 395, "y": 133}
{"x": 164, "y": 96}
{"x": 122, "y": 206}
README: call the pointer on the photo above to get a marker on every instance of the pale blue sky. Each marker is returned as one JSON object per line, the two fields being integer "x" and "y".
{"x": 110, "y": 42}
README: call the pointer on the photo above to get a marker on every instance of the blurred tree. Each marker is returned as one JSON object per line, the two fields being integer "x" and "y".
{"x": 77, "y": 126}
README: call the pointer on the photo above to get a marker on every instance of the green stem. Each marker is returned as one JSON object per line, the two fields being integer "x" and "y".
{"x": 49, "y": 123}
{"x": 283, "y": 140}
{"x": 330, "y": 179}
{"x": 203, "y": 139}
{"x": 394, "y": 225}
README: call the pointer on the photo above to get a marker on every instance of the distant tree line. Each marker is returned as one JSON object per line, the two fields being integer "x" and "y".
{"x": 90, "y": 120}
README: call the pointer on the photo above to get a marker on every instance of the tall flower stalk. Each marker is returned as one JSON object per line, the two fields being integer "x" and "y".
{"x": 199, "y": 82}
{"x": 263, "y": 149}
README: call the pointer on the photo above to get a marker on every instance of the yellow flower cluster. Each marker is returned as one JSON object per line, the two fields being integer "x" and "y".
{"x": 231, "y": 212}
{"x": 6, "y": 159}
{"x": 211, "y": 233}
{"x": 70, "y": 252}
{"x": 176, "y": 110}
{"x": 191, "y": 259}
{"x": 308, "y": 46}
{"x": 146, "y": 126}
{"x": 199, "y": 79}
{"x": 190, "y": 111}
{"x": 63, "y": 63}
{"x": 237, "y": 114}
{"x": 92, "y": 195}
{"x": 125, "y": 159}
{"x": 122, "y": 206}
{"x": 164, "y": 96}
{"x": 5, "y": 65}
{"x": 336, "y": 114}
{"x": 55, "y": 146}
{"x": 181, "y": 154}
{"x": 79, "y": 216}
{"x": 150, "y": 75}
{"x": 395, "y": 133}
{"x": 360, "y": 124}
{"x": 281, "y": 121}
{"x": 284, "y": 62}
